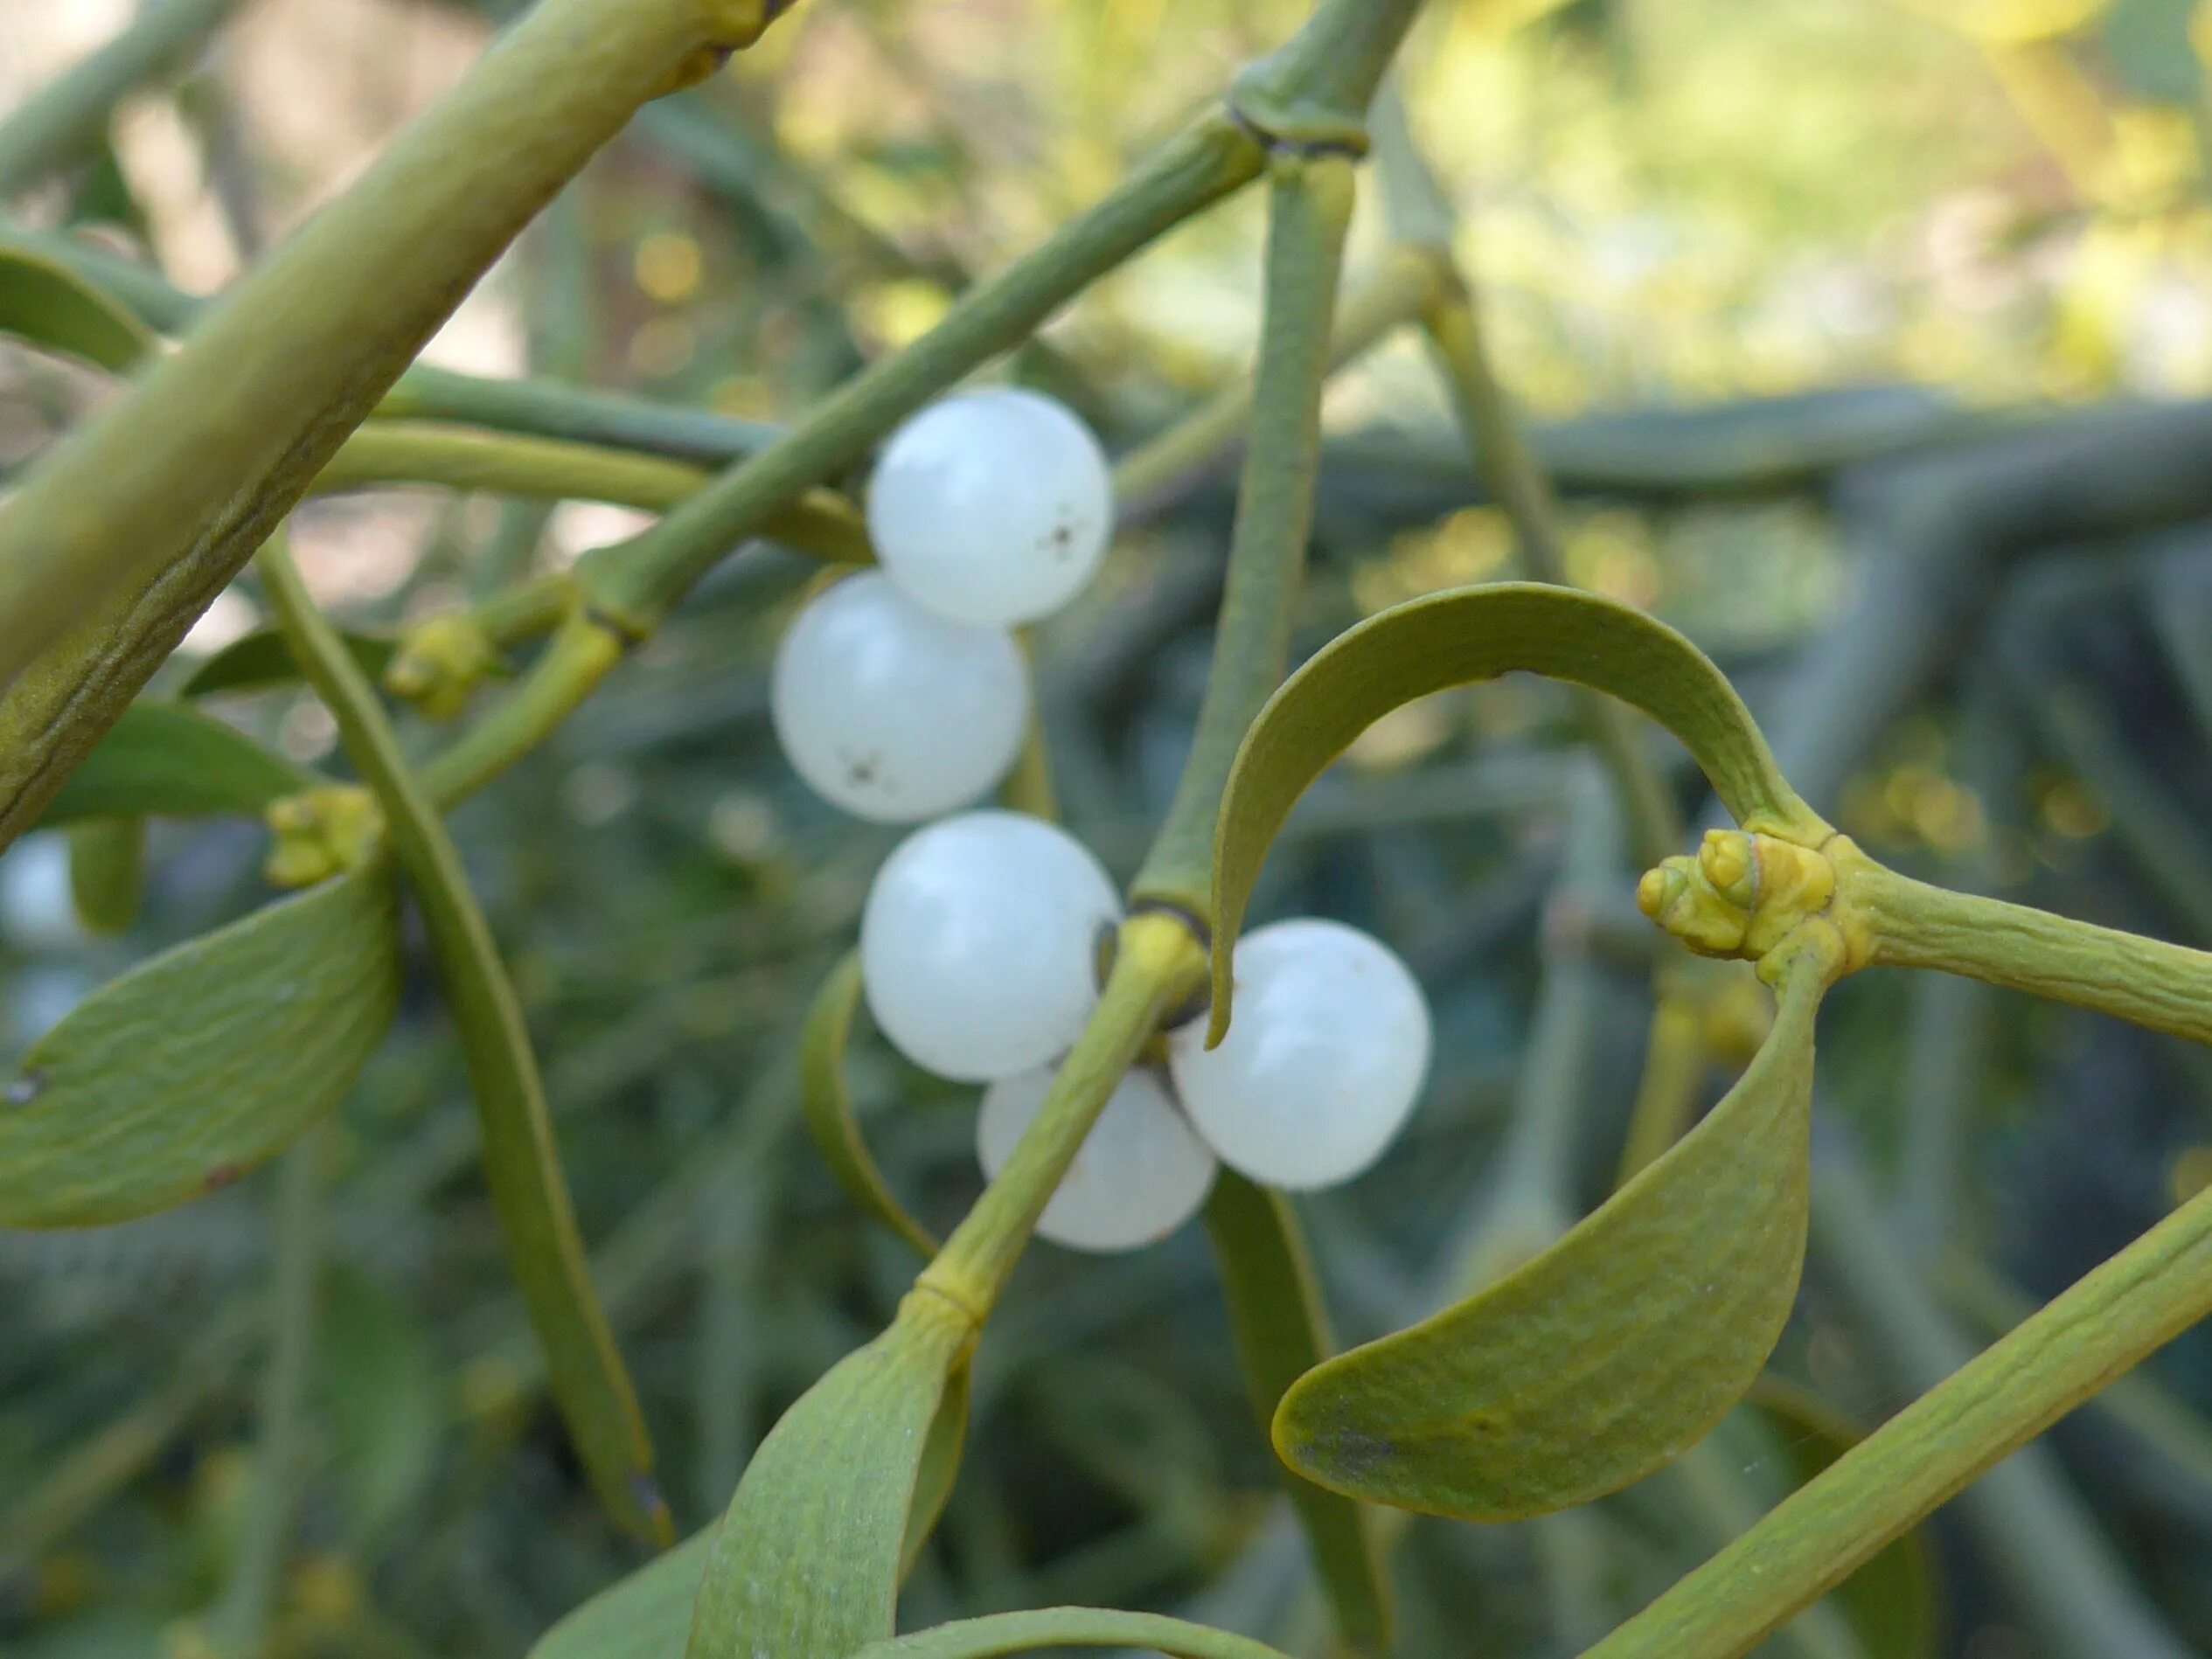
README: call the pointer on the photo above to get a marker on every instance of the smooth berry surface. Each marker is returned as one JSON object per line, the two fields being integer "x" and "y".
{"x": 892, "y": 711}
{"x": 1325, "y": 1057}
{"x": 992, "y": 506}
{"x": 978, "y": 944}
{"x": 1140, "y": 1173}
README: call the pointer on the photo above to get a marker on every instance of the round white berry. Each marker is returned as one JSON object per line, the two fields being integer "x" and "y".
{"x": 1139, "y": 1174}
{"x": 978, "y": 944}
{"x": 1324, "y": 1059}
{"x": 991, "y": 506}
{"x": 892, "y": 711}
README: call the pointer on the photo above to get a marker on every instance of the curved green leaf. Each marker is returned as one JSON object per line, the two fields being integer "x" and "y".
{"x": 107, "y": 872}
{"x": 1003, "y": 1634}
{"x": 806, "y": 1564}
{"x": 202, "y": 1063}
{"x": 51, "y": 306}
{"x": 1454, "y": 638}
{"x": 164, "y": 761}
{"x": 643, "y": 1616}
{"x": 1891, "y": 1602}
{"x": 1281, "y": 1332}
{"x": 1609, "y": 1354}
{"x": 521, "y": 1158}
{"x": 260, "y": 660}
{"x": 830, "y": 1115}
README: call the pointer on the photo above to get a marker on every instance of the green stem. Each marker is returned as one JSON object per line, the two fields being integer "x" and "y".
{"x": 2034, "y": 1528}
{"x": 521, "y": 1160}
{"x": 396, "y": 452}
{"x": 1149, "y": 478}
{"x": 2168, "y": 988}
{"x": 239, "y": 1625}
{"x": 1156, "y": 963}
{"x": 1309, "y": 208}
{"x": 121, "y": 535}
{"x": 66, "y": 117}
{"x": 1006, "y": 1634}
{"x": 1996, "y": 1403}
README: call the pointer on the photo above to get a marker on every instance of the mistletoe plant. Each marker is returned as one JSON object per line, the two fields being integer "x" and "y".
{"x": 1128, "y": 1087}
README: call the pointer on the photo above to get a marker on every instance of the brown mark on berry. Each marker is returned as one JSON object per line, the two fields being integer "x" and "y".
{"x": 221, "y": 1176}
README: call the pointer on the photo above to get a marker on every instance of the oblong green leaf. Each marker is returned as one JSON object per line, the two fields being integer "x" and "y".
{"x": 49, "y": 305}
{"x": 1455, "y": 638}
{"x": 1611, "y": 1353}
{"x": 202, "y": 1063}
{"x": 830, "y": 1118}
{"x": 1282, "y": 1331}
{"x": 260, "y": 660}
{"x": 1002, "y": 1633}
{"x": 1891, "y": 1602}
{"x": 521, "y": 1158}
{"x": 806, "y": 1564}
{"x": 643, "y": 1616}
{"x": 107, "y": 872}
{"x": 164, "y": 761}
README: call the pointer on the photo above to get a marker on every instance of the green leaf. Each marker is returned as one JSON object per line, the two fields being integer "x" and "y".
{"x": 381, "y": 1397}
{"x": 261, "y": 661}
{"x": 1281, "y": 1332}
{"x": 940, "y": 1471}
{"x": 1454, "y": 638}
{"x": 50, "y": 306}
{"x": 1012, "y": 1633}
{"x": 164, "y": 761}
{"x": 107, "y": 872}
{"x": 806, "y": 1565}
{"x": 643, "y": 1616}
{"x": 521, "y": 1158}
{"x": 830, "y": 1115}
{"x": 1891, "y": 1602}
{"x": 202, "y": 1063}
{"x": 1607, "y": 1356}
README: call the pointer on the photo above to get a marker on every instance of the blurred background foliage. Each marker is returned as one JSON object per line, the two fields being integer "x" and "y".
{"x": 1862, "y": 340}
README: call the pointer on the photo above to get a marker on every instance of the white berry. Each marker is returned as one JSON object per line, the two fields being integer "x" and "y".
{"x": 1324, "y": 1059}
{"x": 991, "y": 506}
{"x": 978, "y": 944}
{"x": 1139, "y": 1174}
{"x": 895, "y": 712}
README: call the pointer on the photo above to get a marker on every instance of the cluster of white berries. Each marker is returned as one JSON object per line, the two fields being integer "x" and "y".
{"x": 979, "y": 950}
{"x": 901, "y": 694}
